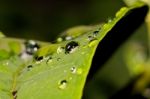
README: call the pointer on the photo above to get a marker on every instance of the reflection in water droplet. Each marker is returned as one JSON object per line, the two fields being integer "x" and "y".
{"x": 60, "y": 50}
{"x": 71, "y": 47}
{"x": 31, "y": 47}
{"x": 73, "y": 70}
{"x": 63, "y": 84}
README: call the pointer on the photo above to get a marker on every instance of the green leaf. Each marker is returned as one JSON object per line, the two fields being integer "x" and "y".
{"x": 59, "y": 71}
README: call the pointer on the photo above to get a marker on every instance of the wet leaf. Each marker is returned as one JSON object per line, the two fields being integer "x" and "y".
{"x": 59, "y": 71}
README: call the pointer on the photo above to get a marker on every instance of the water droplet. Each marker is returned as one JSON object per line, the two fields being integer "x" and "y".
{"x": 68, "y": 38}
{"x": 71, "y": 47}
{"x": 14, "y": 93}
{"x": 63, "y": 84}
{"x": 73, "y": 70}
{"x": 91, "y": 38}
{"x": 93, "y": 43}
{"x": 29, "y": 67}
{"x": 58, "y": 59}
{"x": 59, "y": 39}
{"x": 95, "y": 33}
{"x": 31, "y": 47}
{"x": 79, "y": 71}
{"x": 49, "y": 60}
{"x": 60, "y": 50}
{"x": 109, "y": 20}
{"x": 39, "y": 58}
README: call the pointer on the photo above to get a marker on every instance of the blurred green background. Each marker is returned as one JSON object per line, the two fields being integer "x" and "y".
{"x": 45, "y": 19}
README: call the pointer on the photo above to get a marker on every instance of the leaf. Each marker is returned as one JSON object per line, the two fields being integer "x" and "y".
{"x": 59, "y": 71}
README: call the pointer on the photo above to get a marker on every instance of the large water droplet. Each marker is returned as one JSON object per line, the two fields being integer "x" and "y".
{"x": 71, "y": 46}
{"x": 31, "y": 47}
{"x": 59, "y": 39}
{"x": 63, "y": 84}
{"x": 73, "y": 70}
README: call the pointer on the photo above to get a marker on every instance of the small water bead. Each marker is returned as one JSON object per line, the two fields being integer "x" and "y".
{"x": 91, "y": 38}
{"x": 29, "y": 67}
{"x": 63, "y": 84}
{"x": 109, "y": 20}
{"x": 71, "y": 46}
{"x": 49, "y": 60}
{"x": 59, "y": 39}
{"x": 60, "y": 50}
{"x": 95, "y": 33}
{"x": 68, "y": 38}
{"x": 58, "y": 59}
{"x": 31, "y": 47}
{"x": 73, "y": 70}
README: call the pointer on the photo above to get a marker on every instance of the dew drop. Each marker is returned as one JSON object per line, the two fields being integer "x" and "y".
{"x": 73, "y": 70}
{"x": 93, "y": 43}
{"x": 60, "y": 50}
{"x": 49, "y": 60}
{"x": 59, "y": 39}
{"x": 109, "y": 20}
{"x": 58, "y": 59}
{"x": 91, "y": 38}
{"x": 29, "y": 67}
{"x": 63, "y": 84}
{"x": 31, "y": 47}
{"x": 71, "y": 47}
{"x": 38, "y": 58}
{"x": 95, "y": 33}
{"x": 68, "y": 38}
